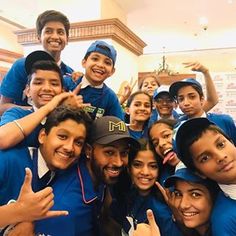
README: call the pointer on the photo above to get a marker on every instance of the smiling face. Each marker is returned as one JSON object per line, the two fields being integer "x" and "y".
{"x": 53, "y": 38}
{"x": 149, "y": 85}
{"x": 161, "y": 137}
{"x": 140, "y": 108}
{"x": 62, "y": 146}
{"x": 144, "y": 171}
{"x": 194, "y": 204}
{"x": 98, "y": 67}
{"x": 190, "y": 101}
{"x": 44, "y": 85}
{"x": 215, "y": 157}
{"x": 107, "y": 161}
{"x": 164, "y": 105}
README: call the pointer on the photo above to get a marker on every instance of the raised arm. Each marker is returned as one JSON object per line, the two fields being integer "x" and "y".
{"x": 211, "y": 94}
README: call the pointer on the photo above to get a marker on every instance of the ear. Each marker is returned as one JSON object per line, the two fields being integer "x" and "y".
{"x": 27, "y": 90}
{"x": 112, "y": 71}
{"x": 127, "y": 110}
{"x": 84, "y": 63}
{"x": 42, "y": 136}
{"x": 88, "y": 150}
{"x": 39, "y": 38}
{"x": 202, "y": 100}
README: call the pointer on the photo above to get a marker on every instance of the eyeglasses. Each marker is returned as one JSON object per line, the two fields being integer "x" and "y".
{"x": 164, "y": 100}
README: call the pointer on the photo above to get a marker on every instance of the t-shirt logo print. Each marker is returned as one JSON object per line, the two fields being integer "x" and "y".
{"x": 119, "y": 125}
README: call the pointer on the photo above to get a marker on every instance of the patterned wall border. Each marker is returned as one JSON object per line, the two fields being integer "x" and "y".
{"x": 9, "y": 56}
{"x": 92, "y": 30}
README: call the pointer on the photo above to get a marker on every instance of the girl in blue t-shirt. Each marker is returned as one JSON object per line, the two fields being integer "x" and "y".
{"x": 129, "y": 207}
{"x": 138, "y": 111}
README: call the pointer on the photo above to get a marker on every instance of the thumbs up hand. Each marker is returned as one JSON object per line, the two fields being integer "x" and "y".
{"x": 35, "y": 206}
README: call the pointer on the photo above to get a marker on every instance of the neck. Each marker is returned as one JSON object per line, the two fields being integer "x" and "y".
{"x": 55, "y": 55}
{"x": 136, "y": 125}
{"x": 202, "y": 229}
{"x": 199, "y": 114}
{"x": 95, "y": 180}
{"x": 167, "y": 116}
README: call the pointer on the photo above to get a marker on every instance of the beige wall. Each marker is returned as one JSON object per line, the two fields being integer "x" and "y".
{"x": 8, "y": 39}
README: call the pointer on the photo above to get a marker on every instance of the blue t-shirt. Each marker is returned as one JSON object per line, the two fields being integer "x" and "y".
{"x": 16, "y": 113}
{"x": 12, "y": 171}
{"x": 137, "y": 209}
{"x": 14, "y": 83}
{"x": 223, "y": 218}
{"x": 104, "y": 101}
{"x": 74, "y": 192}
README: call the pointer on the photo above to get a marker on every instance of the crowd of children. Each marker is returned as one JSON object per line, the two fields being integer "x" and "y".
{"x": 76, "y": 163}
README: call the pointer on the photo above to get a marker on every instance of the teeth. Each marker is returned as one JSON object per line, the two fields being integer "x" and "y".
{"x": 54, "y": 43}
{"x": 63, "y": 155}
{"x": 189, "y": 214}
{"x": 166, "y": 151}
{"x": 144, "y": 180}
{"x": 98, "y": 71}
{"x": 46, "y": 96}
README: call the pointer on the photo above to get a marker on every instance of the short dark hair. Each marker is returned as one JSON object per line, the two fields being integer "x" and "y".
{"x": 183, "y": 149}
{"x": 45, "y": 65}
{"x": 62, "y": 113}
{"x": 51, "y": 15}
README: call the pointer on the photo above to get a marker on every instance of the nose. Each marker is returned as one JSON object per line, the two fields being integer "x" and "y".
{"x": 69, "y": 145}
{"x": 145, "y": 170}
{"x": 220, "y": 157}
{"x": 162, "y": 142}
{"x": 47, "y": 86}
{"x": 185, "y": 202}
{"x": 55, "y": 34}
{"x": 118, "y": 161}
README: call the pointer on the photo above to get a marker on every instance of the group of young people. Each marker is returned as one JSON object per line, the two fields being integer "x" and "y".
{"x": 76, "y": 163}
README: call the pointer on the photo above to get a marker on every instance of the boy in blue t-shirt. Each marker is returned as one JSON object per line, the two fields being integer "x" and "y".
{"x": 206, "y": 149}
{"x": 99, "y": 62}
{"x": 190, "y": 98}
{"x": 53, "y": 30}
{"x": 61, "y": 142}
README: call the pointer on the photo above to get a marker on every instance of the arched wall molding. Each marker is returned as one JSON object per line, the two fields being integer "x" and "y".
{"x": 93, "y": 30}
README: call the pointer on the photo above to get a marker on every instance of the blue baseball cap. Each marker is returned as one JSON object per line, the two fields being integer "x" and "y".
{"x": 183, "y": 174}
{"x": 103, "y": 48}
{"x": 174, "y": 88}
{"x": 163, "y": 89}
{"x": 36, "y": 56}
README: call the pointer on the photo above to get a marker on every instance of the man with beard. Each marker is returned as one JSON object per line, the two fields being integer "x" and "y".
{"x": 81, "y": 189}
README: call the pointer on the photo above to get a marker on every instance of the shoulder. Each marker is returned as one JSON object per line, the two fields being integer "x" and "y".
{"x": 66, "y": 69}
{"x": 226, "y": 205}
{"x": 13, "y": 114}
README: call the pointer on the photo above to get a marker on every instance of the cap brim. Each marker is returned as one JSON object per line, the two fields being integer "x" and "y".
{"x": 34, "y": 57}
{"x": 112, "y": 138}
{"x": 174, "y": 88}
{"x": 185, "y": 175}
{"x": 160, "y": 93}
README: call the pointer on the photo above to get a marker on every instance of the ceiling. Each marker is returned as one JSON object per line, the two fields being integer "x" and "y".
{"x": 164, "y": 25}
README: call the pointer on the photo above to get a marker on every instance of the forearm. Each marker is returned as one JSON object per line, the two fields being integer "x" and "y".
{"x": 211, "y": 94}
{"x": 11, "y": 214}
{"x": 17, "y": 131}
